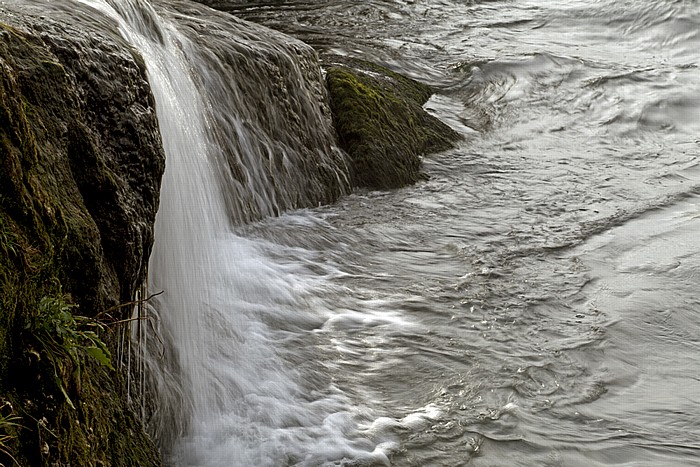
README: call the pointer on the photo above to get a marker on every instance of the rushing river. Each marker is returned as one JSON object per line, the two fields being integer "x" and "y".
{"x": 535, "y": 302}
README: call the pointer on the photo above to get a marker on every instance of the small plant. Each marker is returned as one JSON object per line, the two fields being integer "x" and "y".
{"x": 8, "y": 241}
{"x": 64, "y": 336}
{"x": 7, "y": 423}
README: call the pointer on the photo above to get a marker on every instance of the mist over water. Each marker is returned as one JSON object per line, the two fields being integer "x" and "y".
{"x": 532, "y": 303}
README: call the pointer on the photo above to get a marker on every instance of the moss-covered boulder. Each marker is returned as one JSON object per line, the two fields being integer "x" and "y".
{"x": 381, "y": 124}
{"x": 80, "y": 169}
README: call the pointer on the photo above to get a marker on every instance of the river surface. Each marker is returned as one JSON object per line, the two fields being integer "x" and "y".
{"x": 533, "y": 303}
{"x": 536, "y": 301}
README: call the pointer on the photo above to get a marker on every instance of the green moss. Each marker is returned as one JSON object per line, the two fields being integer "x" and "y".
{"x": 381, "y": 124}
{"x": 401, "y": 85}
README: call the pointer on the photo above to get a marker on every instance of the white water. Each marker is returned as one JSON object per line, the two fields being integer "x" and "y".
{"x": 220, "y": 392}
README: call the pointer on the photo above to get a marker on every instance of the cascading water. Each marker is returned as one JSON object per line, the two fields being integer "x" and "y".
{"x": 218, "y": 390}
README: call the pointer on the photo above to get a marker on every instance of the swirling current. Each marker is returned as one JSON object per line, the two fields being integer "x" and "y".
{"x": 539, "y": 291}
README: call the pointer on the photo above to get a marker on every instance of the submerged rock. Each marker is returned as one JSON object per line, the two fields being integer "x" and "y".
{"x": 381, "y": 124}
{"x": 80, "y": 168}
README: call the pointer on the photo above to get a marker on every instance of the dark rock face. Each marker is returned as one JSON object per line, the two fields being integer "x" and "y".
{"x": 381, "y": 124}
{"x": 90, "y": 112}
{"x": 80, "y": 168}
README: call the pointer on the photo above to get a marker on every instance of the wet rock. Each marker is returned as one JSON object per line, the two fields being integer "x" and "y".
{"x": 80, "y": 168}
{"x": 377, "y": 115}
{"x": 381, "y": 124}
{"x": 272, "y": 120}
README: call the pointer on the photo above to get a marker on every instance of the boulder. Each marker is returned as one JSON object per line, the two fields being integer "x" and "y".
{"x": 381, "y": 124}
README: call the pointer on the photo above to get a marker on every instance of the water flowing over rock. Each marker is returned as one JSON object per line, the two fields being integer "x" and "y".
{"x": 267, "y": 113}
{"x": 247, "y": 131}
{"x": 258, "y": 139}
{"x": 244, "y": 120}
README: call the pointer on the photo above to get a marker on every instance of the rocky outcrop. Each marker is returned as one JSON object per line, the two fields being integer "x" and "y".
{"x": 377, "y": 113}
{"x": 381, "y": 124}
{"x": 80, "y": 169}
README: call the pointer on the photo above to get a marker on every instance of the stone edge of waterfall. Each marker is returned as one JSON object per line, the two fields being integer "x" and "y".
{"x": 79, "y": 188}
{"x": 378, "y": 117}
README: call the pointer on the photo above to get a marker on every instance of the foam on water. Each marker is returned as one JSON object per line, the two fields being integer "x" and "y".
{"x": 221, "y": 389}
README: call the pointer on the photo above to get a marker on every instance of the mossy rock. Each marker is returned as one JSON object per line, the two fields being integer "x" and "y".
{"x": 80, "y": 168}
{"x": 381, "y": 124}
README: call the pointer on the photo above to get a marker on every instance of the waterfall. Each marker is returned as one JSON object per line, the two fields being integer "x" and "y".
{"x": 218, "y": 390}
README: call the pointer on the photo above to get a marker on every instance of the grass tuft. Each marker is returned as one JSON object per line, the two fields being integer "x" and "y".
{"x": 8, "y": 425}
{"x": 68, "y": 340}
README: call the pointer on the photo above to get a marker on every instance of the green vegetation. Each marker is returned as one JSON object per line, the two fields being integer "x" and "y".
{"x": 8, "y": 427}
{"x": 8, "y": 241}
{"x": 67, "y": 339}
